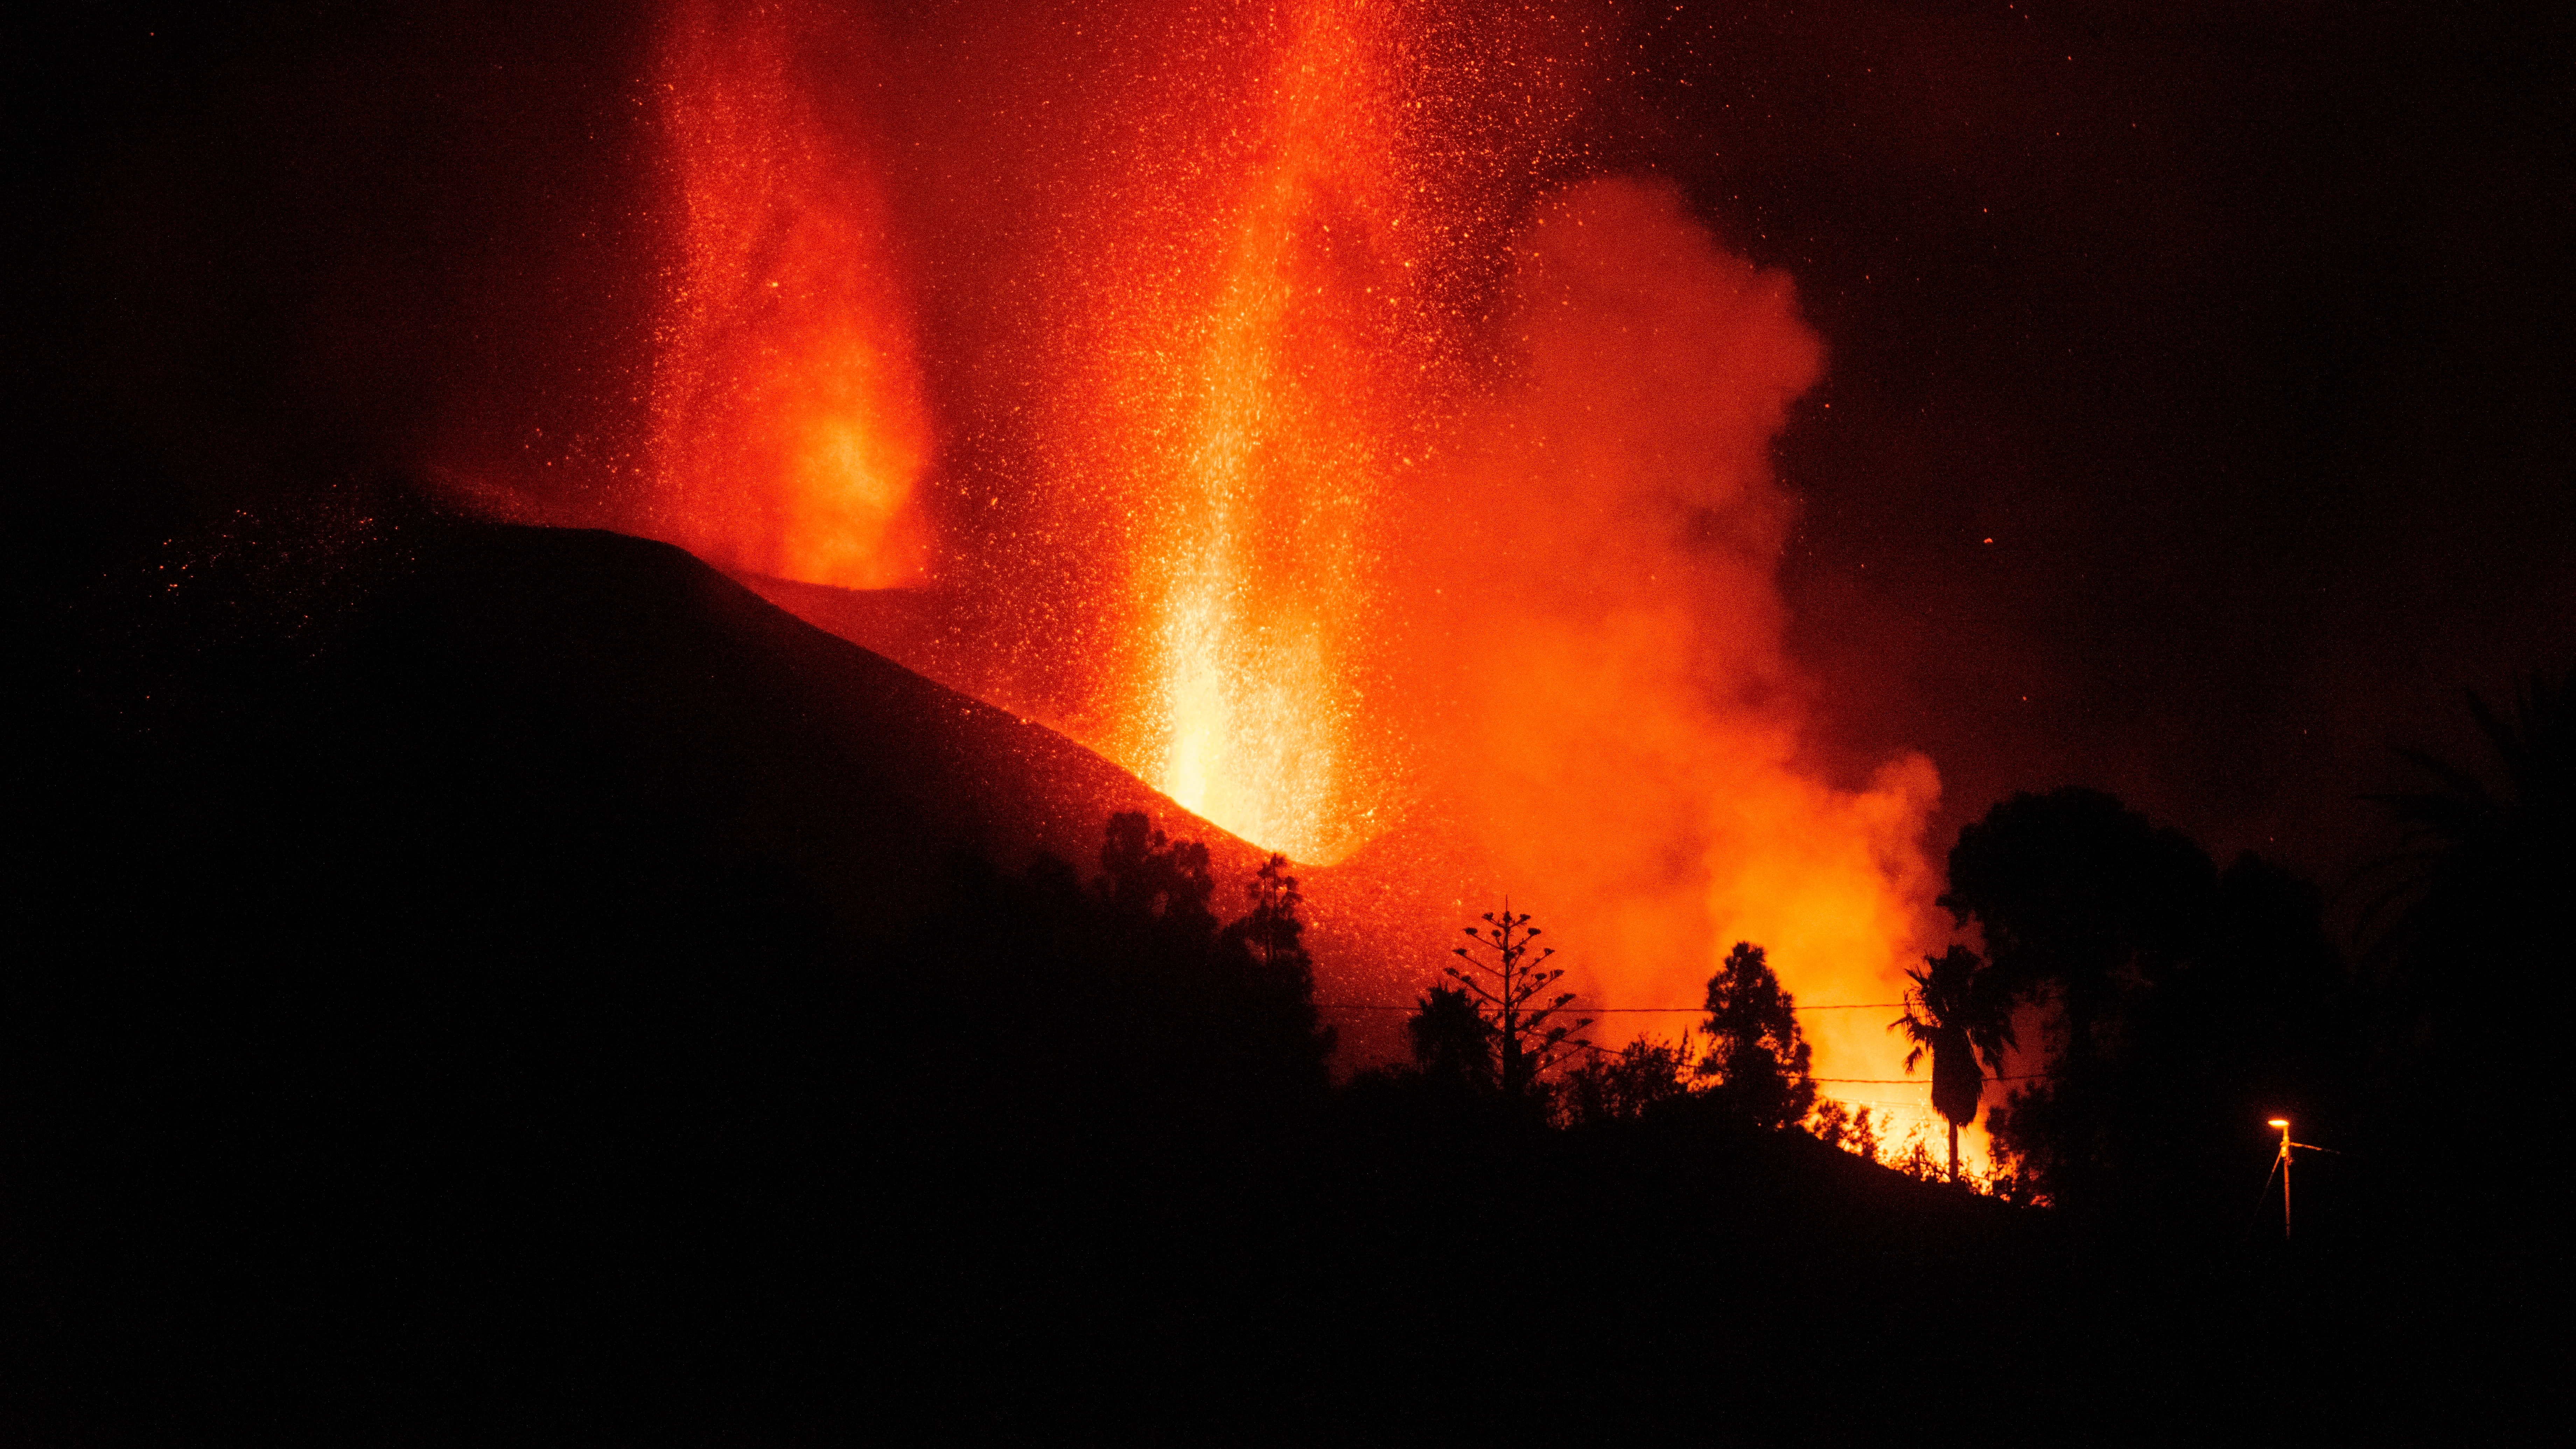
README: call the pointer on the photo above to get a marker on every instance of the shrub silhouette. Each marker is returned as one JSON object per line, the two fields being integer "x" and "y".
{"x": 1626, "y": 1084}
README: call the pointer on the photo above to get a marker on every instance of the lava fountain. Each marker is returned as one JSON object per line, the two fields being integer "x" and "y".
{"x": 1255, "y": 586}
{"x": 787, "y": 423}
{"x": 1286, "y": 344}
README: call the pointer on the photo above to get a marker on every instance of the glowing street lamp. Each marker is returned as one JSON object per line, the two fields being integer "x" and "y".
{"x": 2281, "y": 1165}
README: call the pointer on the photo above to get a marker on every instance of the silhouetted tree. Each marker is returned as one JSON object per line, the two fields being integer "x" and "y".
{"x": 2178, "y": 1005}
{"x": 2082, "y": 903}
{"x": 1527, "y": 1038}
{"x": 1918, "y": 1163}
{"x": 1756, "y": 1054}
{"x": 2486, "y": 869}
{"x": 1272, "y": 931}
{"x": 2496, "y": 860}
{"x": 1156, "y": 882}
{"x": 1270, "y": 940}
{"x": 1953, "y": 1014}
{"x": 1453, "y": 1043}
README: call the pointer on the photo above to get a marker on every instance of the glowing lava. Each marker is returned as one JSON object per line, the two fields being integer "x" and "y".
{"x": 787, "y": 421}
{"x": 1256, "y": 589}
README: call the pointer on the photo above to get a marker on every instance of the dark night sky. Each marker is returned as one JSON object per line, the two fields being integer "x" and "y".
{"x": 2242, "y": 331}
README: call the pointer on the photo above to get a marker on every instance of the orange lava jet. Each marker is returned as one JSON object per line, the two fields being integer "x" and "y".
{"x": 1274, "y": 405}
{"x": 1257, "y": 587}
{"x": 787, "y": 424}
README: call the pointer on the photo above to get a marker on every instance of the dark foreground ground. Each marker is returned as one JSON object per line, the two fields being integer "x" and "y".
{"x": 469, "y": 978}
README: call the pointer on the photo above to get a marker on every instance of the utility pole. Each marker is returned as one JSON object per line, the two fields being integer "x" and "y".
{"x": 2283, "y": 1163}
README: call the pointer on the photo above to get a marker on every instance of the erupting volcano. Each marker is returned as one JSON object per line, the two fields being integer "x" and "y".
{"x": 1278, "y": 403}
{"x": 751, "y": 711}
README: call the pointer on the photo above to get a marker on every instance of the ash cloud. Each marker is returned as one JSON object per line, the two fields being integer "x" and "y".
{"x": 1631, "y": 733}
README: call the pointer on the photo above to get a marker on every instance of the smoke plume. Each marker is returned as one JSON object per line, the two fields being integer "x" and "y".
{"x": 1623, "y": 724}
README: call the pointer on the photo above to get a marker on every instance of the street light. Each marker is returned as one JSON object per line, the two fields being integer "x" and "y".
{"x": 2281, "y": 1165}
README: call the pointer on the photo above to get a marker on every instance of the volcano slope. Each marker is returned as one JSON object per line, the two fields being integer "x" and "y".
{"x": 1380, "y": 924}
{"x": 472, "y": 973}
{"x": 431, "y": 934}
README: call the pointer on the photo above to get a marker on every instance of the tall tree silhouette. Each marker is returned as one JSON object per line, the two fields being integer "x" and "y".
{"x": 2084, "y": 904}
{"x": 2493, "y": 862}
{"x": 1272, "y": 930}
{"x": 1755, "y": 1051}
{"x": 1270, "y": 939}
{"x": 1527, "y": 1036}
{"x": 1953, "y": 1014}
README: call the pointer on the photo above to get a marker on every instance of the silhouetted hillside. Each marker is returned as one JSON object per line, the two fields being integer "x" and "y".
{"x": 468, "y": 975}
{"x": 482, "y": 950}
{"x": 579, "y": 686}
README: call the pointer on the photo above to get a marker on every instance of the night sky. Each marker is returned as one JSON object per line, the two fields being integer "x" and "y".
{"x": 2242, "y": 332}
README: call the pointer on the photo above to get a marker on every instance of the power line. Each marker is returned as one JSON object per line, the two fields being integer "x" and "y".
{"x": 1606, "y": 1010}
{"x": 1875, "y": 1081}
{"x": 1836, "y": 1006}
{"x": 1925, "y": 1081}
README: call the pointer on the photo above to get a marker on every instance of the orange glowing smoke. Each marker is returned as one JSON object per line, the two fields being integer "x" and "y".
{"x": 1629, "y": 738}
{"x": 787, "y": 424}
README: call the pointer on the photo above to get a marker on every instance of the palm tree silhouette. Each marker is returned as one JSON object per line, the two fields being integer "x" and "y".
{"x": 2477, "y": 858}
{"x": 2465, "y": 925}
{"x": 1954, "y": 1012}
